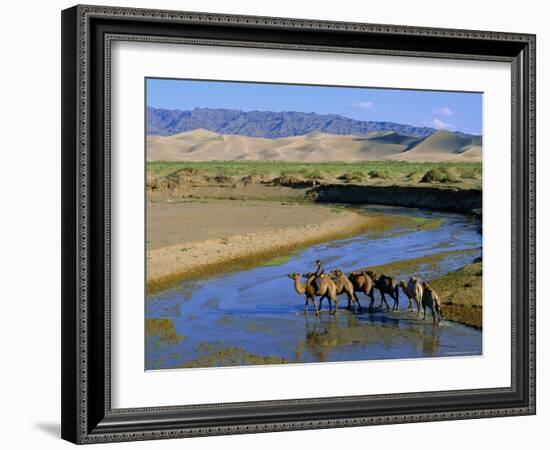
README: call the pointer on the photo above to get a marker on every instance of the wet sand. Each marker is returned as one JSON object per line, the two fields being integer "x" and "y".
{"x": 190, "y": 239}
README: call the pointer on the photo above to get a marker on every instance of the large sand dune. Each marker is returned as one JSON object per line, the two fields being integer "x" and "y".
{"x": 443, "y": 146}
{"x": 203, "y": 145}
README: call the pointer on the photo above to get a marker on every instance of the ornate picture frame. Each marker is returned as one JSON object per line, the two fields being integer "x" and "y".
{"x": 87, "y": 35}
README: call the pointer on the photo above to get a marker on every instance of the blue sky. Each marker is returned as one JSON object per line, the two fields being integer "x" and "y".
{"x": 455, "y": 111}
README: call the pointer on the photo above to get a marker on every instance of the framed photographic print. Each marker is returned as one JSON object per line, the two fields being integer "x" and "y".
{"x": 282, "y": 224}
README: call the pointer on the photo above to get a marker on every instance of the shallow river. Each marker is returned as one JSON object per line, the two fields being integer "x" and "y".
{"x": 258, "y": 312}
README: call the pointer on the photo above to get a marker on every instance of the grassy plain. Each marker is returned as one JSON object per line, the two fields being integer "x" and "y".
{"x": 363, "y": 172}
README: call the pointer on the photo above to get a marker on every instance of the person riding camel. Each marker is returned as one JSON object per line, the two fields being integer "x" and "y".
{"x": 320, "y": 272}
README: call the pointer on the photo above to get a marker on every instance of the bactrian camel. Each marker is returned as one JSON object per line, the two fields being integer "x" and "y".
{"x": 344, "y": 286}
{"x": 304, "y": 289}
{"x": 386, "y": 285}
{"x": 413, "y": 290}
{"x": 430, "y": 299}
{"x": 315, "y": 286}
{"x": 363, "y": 283}
{"x": 323, "y": 287}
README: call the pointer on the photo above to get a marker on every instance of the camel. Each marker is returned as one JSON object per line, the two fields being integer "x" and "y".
{"x": 430, "y": 299}
{"x": 386, "y": 285}
{"x": 323, "y": 287}
{"x": 413, "y": 290}
{"x": 362, "y": 282}
{"x": 304, "y": 289}
{"x": 344, "y": 286}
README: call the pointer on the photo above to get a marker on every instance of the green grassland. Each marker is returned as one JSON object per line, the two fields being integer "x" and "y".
{"x": 370, "y": 169}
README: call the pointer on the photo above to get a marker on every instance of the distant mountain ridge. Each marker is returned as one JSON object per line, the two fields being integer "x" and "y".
{"x": 268, "y": 124}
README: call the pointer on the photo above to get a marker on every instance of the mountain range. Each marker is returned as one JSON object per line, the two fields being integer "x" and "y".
{"x": 271, "y": 125}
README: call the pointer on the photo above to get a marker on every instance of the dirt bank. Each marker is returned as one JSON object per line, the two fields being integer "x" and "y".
{"x": 462, "y": 295}
{"x": 439, "y": 198}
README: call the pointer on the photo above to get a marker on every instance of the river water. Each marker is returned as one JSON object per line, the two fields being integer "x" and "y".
{"x": 257, "y": 311}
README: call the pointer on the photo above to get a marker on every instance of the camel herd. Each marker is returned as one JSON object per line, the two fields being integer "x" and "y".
{"x": 336, "y": 283}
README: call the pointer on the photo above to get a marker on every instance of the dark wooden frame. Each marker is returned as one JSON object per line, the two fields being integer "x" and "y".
{"x": 87, "y": 32}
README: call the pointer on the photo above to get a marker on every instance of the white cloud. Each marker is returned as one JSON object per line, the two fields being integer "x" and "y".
{"x": 443, "y": 111}
{"x": 441, "y": 125}
{"x": 363, "y": 105}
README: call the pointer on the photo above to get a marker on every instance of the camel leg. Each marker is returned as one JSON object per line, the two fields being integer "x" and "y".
{"x": 424, "y": 318}
{"x": 433, "y": 315}
{"x": 315, "y": 304}
{"x": 320, "y": 303}
{"x": 371, "y": 295}
{"x": 396, "y": 300}
{"x": 351, "y": 301}
{"x": 384, "y": 301}
{"x": 357, "y": 300}
{"x": 306, "y": 305}
{"x": 335, "y": 300}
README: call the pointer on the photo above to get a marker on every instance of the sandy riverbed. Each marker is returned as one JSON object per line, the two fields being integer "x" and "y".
{"x": 172, "y": 222}
{"x": 186, "y": 240}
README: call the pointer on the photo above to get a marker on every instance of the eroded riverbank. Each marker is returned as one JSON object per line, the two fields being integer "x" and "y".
{"x": 438, "y": 198}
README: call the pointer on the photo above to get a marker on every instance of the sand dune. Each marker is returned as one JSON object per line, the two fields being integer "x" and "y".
{"x": 443, "y": 146}
{"x": 204, "y": 145}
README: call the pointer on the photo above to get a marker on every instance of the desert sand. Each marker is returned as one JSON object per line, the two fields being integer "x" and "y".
{"x": 441, "y": 147}
{"x": 204, "y": 145}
